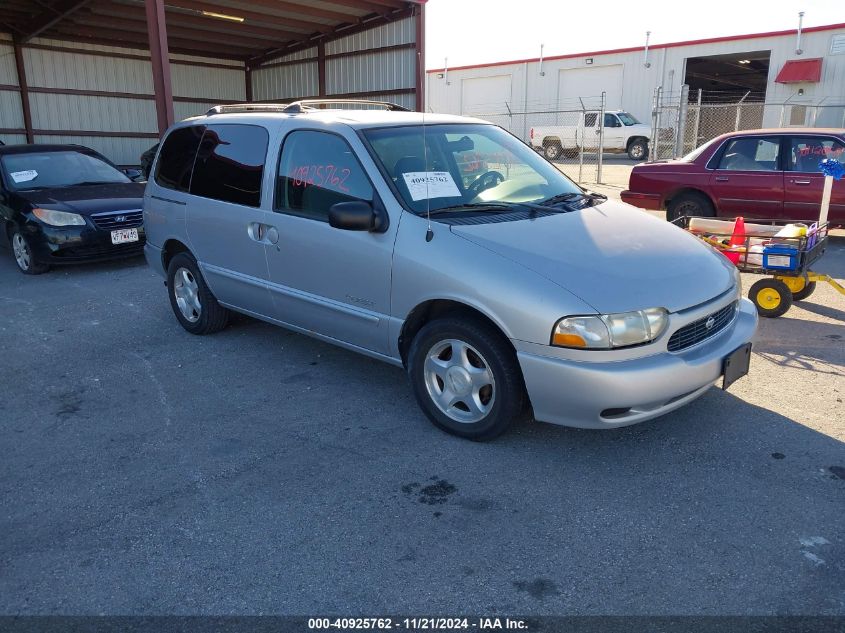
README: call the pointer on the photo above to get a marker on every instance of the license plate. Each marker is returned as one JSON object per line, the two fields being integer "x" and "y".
{"x": 736, "y": 365}
{"x": 122, "y": 236}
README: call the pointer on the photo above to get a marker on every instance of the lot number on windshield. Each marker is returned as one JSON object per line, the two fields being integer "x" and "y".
{"x": 431, "y": 184}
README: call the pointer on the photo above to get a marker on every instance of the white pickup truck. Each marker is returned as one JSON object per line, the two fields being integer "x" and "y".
{"x": 622, "y": 133}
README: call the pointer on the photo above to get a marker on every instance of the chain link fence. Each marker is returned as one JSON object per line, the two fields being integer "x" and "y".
{"x": 571, "y": 134}
{"x": 578, "y": 134}
{"x": 684, "y": 122}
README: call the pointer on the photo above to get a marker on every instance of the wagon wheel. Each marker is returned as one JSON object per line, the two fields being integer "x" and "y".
{"x": 772, "y": 297}
{"x": 799, "y": 287}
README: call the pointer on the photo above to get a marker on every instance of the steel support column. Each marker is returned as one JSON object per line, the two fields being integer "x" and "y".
{"x": 160, "y": 56}
{"x": 420, "y": 35}
{"x": 248, "y": 83}
{"x": 24, "y": 92}
{"x": 321, "y": 68}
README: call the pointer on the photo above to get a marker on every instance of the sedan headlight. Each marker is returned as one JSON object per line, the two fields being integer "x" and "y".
{"x": 58, "y": 218}
{"x": 607, "y": 331}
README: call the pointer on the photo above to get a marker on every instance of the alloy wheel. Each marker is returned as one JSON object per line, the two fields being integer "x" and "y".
{"x": 21, "y": 251}
{"x": 459, "y": 381}
{"x": 186, "y": 292}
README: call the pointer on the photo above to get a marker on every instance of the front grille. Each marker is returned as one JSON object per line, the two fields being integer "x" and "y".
{"x": 101, "y": 251}
{"x": 698, "y": 331}
{"x": 114, "y": 220}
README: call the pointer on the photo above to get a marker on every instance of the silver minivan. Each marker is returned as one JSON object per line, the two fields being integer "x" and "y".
{"x": 444, "y": 245}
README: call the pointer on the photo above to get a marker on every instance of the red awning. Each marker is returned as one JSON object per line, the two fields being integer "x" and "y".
{"x": 798, "y": 70}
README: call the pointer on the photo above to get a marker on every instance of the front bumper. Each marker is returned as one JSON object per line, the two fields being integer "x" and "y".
{"x": 650, "y": 201}
{"x": 77, "y": 244}
{"x": 600, "y": 395}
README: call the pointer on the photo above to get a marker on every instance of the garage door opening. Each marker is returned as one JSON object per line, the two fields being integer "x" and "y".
{"x": 728, "y": 78}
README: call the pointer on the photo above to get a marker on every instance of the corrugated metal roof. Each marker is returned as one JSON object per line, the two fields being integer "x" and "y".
{"x": 225, "y": 29}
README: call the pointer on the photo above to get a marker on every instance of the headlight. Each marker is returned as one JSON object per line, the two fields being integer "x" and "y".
{"x": 738, "y": 282}
{"x": 607, "y": 331}
{"x": 58, "y": 218}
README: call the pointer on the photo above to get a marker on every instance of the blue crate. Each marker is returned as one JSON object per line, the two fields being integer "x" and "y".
{"x": 781, "y": 257}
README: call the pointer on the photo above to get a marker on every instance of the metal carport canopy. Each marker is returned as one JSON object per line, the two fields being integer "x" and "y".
{"x": 252, "y": 31}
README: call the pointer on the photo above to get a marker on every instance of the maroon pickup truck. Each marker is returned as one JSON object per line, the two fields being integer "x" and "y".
{"x": 756, "y": 173}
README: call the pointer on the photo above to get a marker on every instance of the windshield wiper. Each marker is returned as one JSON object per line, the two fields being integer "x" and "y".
{"x": 492, "y": 207}
{"x": 567, "y": 197}
{"x": 93, "y": 182}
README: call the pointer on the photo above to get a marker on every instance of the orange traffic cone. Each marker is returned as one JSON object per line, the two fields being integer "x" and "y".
{"x": 736, "y": 245}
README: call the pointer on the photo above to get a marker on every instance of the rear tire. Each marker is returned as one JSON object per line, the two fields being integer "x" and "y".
{"x": 23, "y": 254}
{"x": 799, "y": 287}
{"x": 194, "y": 305}
{"x": 466, "y": 378}
{"x": 552, "y": 150}
{"x": 771, "y": 297}
{"x": 690, "y": 203}
{"x": 809, "y": 289}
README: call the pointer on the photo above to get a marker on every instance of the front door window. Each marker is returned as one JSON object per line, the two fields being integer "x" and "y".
{"x": 751, "y": 154}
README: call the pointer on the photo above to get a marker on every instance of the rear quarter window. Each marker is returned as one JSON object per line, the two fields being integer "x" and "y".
{"x": 176, "y": 158}
{"x": 230, "y": 164}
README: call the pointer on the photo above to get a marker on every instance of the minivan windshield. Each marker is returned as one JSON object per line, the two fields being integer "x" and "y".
{"x": 464, "y": 164}
{"x": 66, "y": 168}
{"x": 627, "y": 119}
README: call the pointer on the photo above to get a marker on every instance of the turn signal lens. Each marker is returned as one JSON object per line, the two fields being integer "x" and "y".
{"x": 581, "y": 331}
{"x": 58, "y": 218}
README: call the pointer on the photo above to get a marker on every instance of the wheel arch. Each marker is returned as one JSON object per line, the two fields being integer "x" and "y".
{"x": 552, "y": 140}
{"x": 667, "y": 198}
{"x": 170, "y": 249}
{"x": 635, "y": 138}
{"x": 432, "y": 309}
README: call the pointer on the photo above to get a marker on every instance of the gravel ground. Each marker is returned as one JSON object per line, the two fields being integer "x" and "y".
{"x": 148, "y": 471}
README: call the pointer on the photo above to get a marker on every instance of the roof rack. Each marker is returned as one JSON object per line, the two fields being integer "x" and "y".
{"x": 247, "y": 107}
{"x": 309, "y": 104}
{"x": 304, "y": 105}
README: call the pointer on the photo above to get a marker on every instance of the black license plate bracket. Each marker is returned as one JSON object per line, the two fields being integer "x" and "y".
{"x": 736, "y": 365}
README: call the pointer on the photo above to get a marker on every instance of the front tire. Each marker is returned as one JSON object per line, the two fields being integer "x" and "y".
{"x": 638, "y": 149}
{"x": 24, "y": 256}
{"x": 194, "y": 305}
{"x": 466, "y": 378}
{"x": 772, "y": 297}
{"x": 691, "y": 203}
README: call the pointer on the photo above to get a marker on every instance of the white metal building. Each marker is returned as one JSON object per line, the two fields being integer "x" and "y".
{"x": 763, "y": 67}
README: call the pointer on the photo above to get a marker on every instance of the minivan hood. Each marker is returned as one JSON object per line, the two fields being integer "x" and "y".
{"x": 612, "y": 256}
{"x": 89, "y": 199}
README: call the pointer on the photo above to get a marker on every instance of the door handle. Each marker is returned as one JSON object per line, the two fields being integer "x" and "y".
{"x": 722, "y": 179}
{"x": 264, "y": 233}
{"x": 802, "y": 182}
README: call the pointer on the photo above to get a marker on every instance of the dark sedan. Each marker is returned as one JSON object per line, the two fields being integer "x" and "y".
{"x": 771, "y": 174}
{"x": 63, "y": 204}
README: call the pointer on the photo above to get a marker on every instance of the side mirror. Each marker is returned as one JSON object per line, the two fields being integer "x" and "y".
{"x": 464, "y": 144}
{"x": 357, "y": 215}
{"x": 133, "y": 174}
